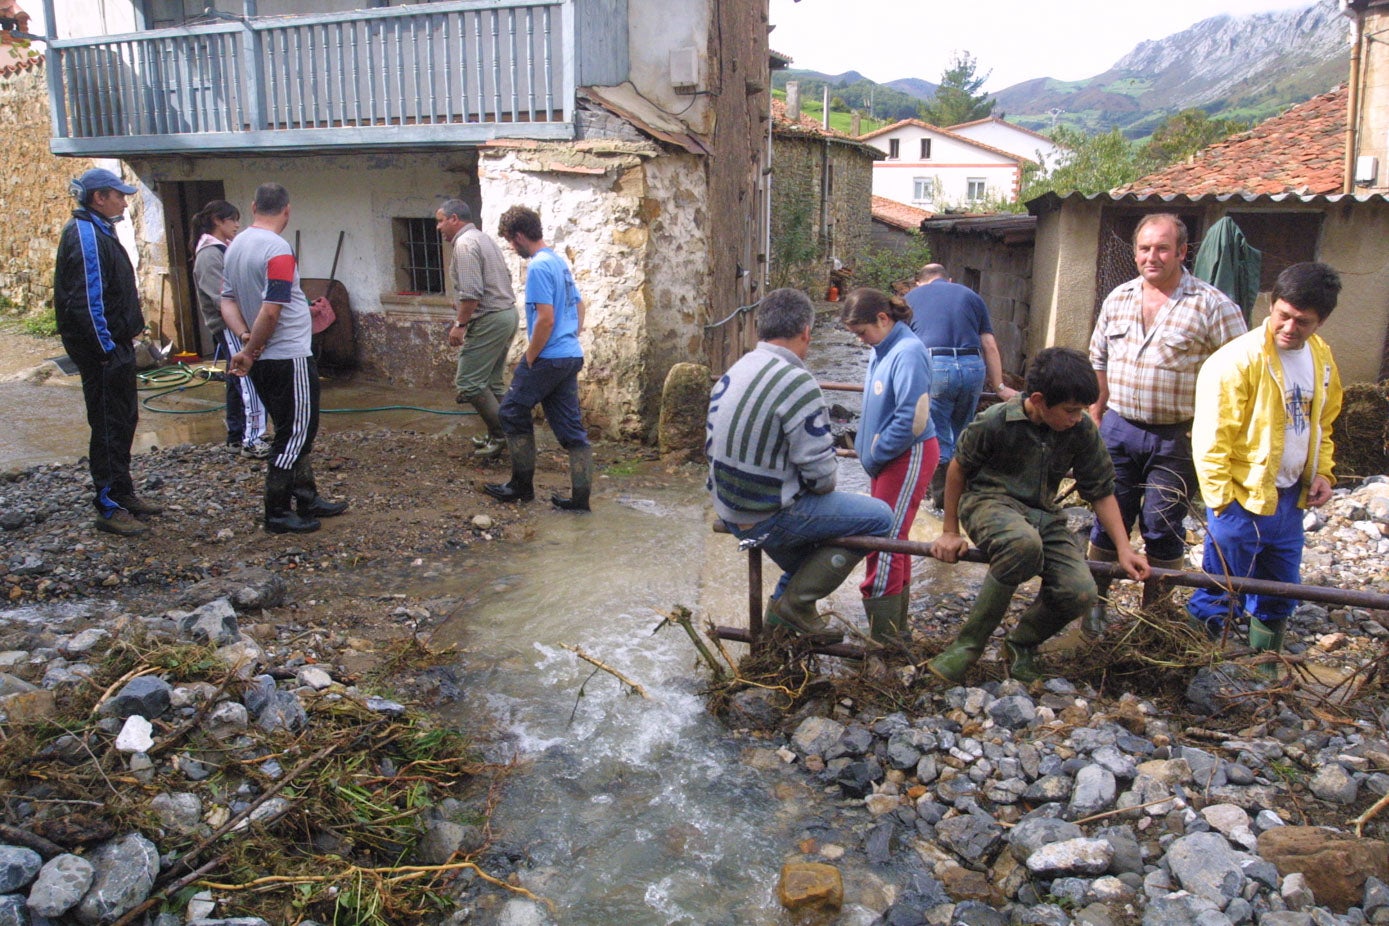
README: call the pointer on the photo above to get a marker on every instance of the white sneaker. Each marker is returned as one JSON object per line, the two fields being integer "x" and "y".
{"x": 256, "y": 450}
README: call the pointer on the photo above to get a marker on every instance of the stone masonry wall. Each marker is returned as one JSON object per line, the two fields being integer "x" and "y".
{"x": 33, "y": 191}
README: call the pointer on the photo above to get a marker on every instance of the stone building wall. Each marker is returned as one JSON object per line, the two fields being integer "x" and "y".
{"x": 801, "y": 249}
{"x": 1002, "y": 275}
{"x": 33, "y": 190}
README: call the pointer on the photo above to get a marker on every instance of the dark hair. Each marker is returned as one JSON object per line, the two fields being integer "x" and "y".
{"x": 205, "y": 221}
{"x": 271, "y": 199}
{"x": 1153, "y": 217}
{"x": 1309, "y": 285}
{"x": 458, "y": 209}
{"x": 520, "y": 220}
{"x": 1062, "y": 374}
{"x": 863, "y": 305}
{"x": 784, "y": 313}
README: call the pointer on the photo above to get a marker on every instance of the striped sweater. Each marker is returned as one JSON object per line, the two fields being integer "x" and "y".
{"x": 767, "y": 436}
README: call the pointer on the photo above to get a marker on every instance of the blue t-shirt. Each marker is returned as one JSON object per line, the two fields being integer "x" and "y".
{"x": 550, "y": 282}
{"x": 946, "y": 314}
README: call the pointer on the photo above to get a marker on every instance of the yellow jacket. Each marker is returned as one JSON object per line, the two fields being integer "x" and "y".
{"x": 1237, "y": 434}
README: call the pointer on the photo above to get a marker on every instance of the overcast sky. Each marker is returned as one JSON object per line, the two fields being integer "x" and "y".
{"x": 1015, "y": 39}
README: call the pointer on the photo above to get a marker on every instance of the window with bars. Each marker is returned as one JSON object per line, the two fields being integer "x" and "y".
{"x": 419, "y": 256}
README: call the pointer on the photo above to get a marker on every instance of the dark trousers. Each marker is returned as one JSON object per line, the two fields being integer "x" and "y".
{"x": 289, "y": 391}
{"x": 554, "y": 386}
{"x": 1153, "y": 479}
{"x": 113, "y": 410}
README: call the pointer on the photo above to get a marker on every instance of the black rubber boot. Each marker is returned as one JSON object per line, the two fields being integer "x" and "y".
{"x": 521, "y": 488}
{"x": 937, "y": 490}
{"x": 307, "y": 501}
{"x": 1092, "y": 627}
{"x": 280, "y": 518}
{"x": 580, "y": 480}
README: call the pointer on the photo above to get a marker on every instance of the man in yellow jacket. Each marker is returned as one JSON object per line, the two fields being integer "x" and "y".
{"x": 1262, "y": 446}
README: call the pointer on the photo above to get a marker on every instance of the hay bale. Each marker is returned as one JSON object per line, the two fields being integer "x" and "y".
{"x": 1361, "y": 432}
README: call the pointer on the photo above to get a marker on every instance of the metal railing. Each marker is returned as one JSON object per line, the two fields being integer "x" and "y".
{"x": 380, "y": 75}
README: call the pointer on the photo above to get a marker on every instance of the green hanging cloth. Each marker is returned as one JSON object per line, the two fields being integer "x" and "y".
{"x": 1228, "y": 262}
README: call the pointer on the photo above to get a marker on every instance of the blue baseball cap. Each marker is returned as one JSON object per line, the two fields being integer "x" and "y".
{"x": 99, "y": 178}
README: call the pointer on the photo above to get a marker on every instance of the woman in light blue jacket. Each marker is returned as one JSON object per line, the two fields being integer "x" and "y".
{"x": 896, "y": 443}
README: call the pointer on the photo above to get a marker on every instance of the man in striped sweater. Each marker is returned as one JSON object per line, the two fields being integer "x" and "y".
{"x": 772, "y": 465}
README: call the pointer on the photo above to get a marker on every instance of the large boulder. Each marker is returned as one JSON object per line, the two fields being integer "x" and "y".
{"x": 811, "y": 886}
{"x": 1335, "y": 865}
{"x": 684, "y": 408}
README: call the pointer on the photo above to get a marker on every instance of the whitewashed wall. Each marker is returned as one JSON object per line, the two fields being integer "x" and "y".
{"x": 952, "y": 164}
{"x": 1014, "y": 141}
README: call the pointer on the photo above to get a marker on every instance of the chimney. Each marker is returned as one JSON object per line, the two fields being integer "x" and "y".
{"x": 793, "y": 100}
{"x": 826, "y": 111}
{"x": 856, "y": 124}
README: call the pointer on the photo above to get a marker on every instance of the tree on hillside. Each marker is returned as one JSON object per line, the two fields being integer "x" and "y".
{"x": 1182, "y": 135}
{"x": 958, "y": 98}
{"x": 1093, "y": 164}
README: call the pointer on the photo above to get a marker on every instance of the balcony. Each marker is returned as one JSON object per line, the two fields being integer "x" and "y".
{"x": 417, "y": 76}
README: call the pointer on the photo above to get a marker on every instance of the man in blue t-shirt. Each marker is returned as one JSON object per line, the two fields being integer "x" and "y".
{"x": 548, "y": 374}
{"x": 953, "y": 322}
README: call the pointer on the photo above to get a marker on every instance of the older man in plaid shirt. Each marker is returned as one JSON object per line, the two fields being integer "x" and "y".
{"x": 1151, "y": 337}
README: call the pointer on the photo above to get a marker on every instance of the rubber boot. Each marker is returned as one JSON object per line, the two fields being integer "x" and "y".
{"x": 1038, "y": 623}
{"x": 937, "y": 490}
{"x": 521, "y": 488}
{"x": 1157, "y": 594}
{"x": 280, "y": 518}
{"x": 822, "y": 572}
{"x": 1266, "y": 638}
{"x": 1092, "y": 626}
{"x": 307, "y": 501}
{"x": 580, "y": 480}
{"x": 886, "y": 617}
{"x": 984, "y": 617}
{"x": 489, "y": 410}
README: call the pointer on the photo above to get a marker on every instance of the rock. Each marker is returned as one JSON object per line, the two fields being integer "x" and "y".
{"x": 243, "y": 657}
{"x": 1336, "y": 865}
{"x": 1013, "y": 713}
{"x": 442, "y": 838}
{"x": 816, "y": 735}
{"x": 61, "y": 883}
{"x": 250, "y": 589}
{"x": 976, "y": 913}
{"x": 1083, "y": 857}
{"x": 226, "y": 720}
{"x": 214, "y": 623}
{"x": 1204, "y": 864}
{"x": 181, "y": 811}
{"x": 29, "y": 706}
{"x": 314, "y": 677}
{"x": 518, "y": 912}
{"x": 18, "y": 868}
{"x": 1183, "y": 909}
{"x": 1295, "y": 892}
{"x": 137, "y": 735}
{"x": 148, "y": 696}
{"x": 1333, "y": 783}
{"x": 283, "y": 712}
{"x": 1033, "y": 833}
{"x": 963, "y": 884}
{"x": 810, "y": 886}
{"x": 973, "y": 838}
{"x": 124, "y": 870}
{"x": 680, "y": 429}
{"x": 1094, "y": 791}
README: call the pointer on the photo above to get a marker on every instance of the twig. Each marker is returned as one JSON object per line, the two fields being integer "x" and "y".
{"x": 1114, "y": 813}
{"x": 681, "y": 615}
{"x": 16, "y": 836}
{"x": 637, "y": 689}
{"x": 174, "y": 888}
{"x": 1370, "y": 814}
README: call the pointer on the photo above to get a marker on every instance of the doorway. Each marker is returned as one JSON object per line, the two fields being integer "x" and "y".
{"x": 182, "y": 201}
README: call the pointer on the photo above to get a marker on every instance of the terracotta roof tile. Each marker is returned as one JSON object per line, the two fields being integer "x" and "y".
{"x": 1299, "y": 151}
{"x": 898, "y": 215}
{"x": 902, "y": 123}
{"x": 16, "y": 54}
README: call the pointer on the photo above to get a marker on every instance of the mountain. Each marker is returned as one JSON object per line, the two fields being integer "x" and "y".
{"x": 1239, "y": 67}
{"x": 858, "y": 92}
{"x": 914, "y": 86}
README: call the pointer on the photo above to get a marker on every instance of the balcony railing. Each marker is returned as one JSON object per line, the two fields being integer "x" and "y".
{"x": 463, "y": 71}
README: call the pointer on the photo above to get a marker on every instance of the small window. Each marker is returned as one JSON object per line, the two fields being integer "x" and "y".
{"x": 925, "y": 149}
{"x": 894, "y": 148}
{"x": 419, "y": 256}
{"x": 974, "y": 190}
{"x": 923, "y": 189}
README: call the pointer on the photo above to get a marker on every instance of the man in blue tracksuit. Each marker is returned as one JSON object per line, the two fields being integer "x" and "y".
{"x": 97, "y": 306}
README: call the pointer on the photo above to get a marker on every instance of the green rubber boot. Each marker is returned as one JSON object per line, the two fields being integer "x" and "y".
{"x": 1092, "y": 626}
{"x": 821, "y": 573}
{"x": 987, "y": 614}
{"x": 1041, "y": 621}
{"x": 1266, "y": 638}
{"x": 887, "y": 617}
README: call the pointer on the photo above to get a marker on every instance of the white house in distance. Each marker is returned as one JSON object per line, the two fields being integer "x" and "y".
{"x": 938, "y": 170}
{"x": 1004, "y": 135}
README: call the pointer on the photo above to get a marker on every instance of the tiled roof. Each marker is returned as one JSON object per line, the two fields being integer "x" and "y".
{"x": 807, "y": 127}
{"x": 1301, "y": 151}
{"x": 16, "y": 54}
{"x": 964, "y": 140}
{"x": 1003, "y": 122}
{"x": 898, "y": 215}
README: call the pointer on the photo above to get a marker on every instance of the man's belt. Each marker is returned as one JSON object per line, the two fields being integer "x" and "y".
{"x": 954, "y": 351}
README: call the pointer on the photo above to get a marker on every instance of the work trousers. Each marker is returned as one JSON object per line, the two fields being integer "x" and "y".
{"x": 902, "y": 484}
{"x": 113, "y": 410}
{"x": 1153, "y": 478}
{"x": 1254, "y": 546}
{"x": 482, "y": 359}
{"x": 1022, "y": 542}
{"x": 553, "y": 384}
{"x": 289, "y": 390}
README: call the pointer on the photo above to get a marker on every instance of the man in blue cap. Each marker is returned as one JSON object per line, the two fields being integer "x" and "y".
{"x": 97, "y": 305}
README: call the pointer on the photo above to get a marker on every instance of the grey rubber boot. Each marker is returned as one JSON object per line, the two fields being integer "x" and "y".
{"x": 280, "y": 517}
{"x": 984, "y": 617}
{"x": 580, "y": 480}
{"x": 821, "y": 573}
{"x": 1092, "y": 627}
{"x": 307, "y": 501}
{"x": 521, "y": 488}
{"x": 887, "y": 617}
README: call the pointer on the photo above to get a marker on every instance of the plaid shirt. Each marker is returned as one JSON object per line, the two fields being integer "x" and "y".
{"x": 480, "y": 272}
{"x": 1152, "y": 374}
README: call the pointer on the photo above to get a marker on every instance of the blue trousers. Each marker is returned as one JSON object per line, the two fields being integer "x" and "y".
{"x": 1251, "y": 546}
{"x": 956, "y": 384}
{"x": 1152, "y": 479}
{"x": 554, "y": 386}
{"x": 793, "y": 533}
